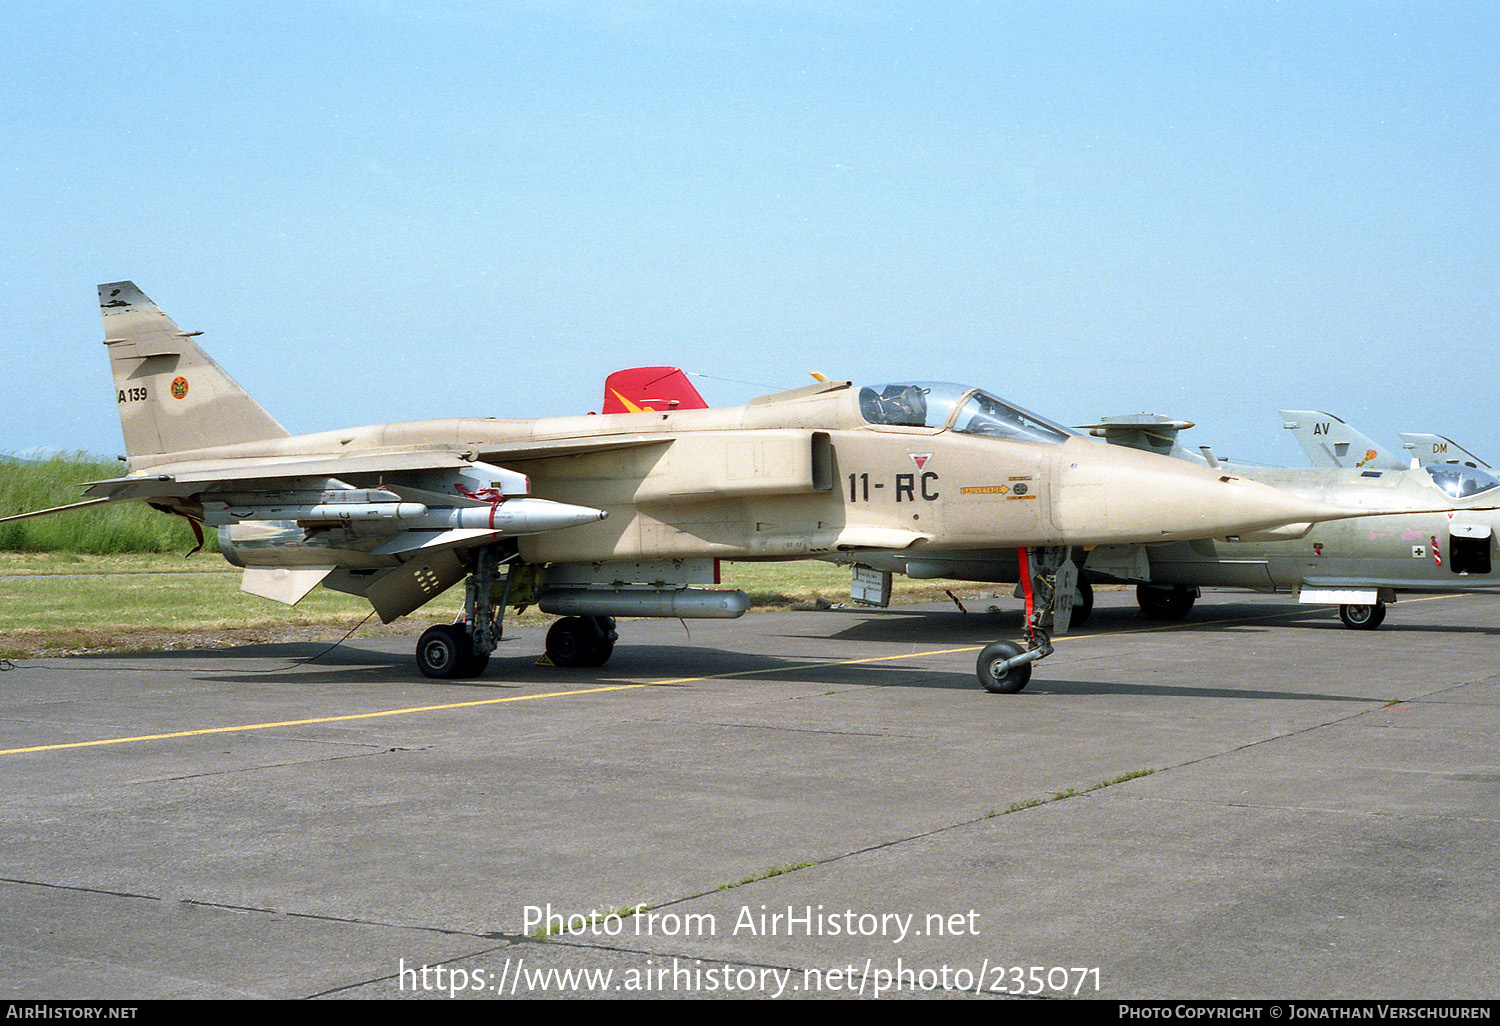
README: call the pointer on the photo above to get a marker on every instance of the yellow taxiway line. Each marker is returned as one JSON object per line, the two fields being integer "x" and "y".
{"x": 204, "y": 731}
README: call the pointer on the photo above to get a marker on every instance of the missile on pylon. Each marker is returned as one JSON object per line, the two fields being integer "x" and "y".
{"x": 508, "y": 517}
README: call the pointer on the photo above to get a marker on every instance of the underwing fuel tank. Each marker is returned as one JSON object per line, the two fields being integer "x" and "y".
{"x": 687, "y": 603}
{"x": 1119, "y": 496}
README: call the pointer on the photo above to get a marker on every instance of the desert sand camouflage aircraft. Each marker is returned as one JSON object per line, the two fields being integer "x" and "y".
{"x": 1358, "y": 565}
{"x": 593, "y": 517}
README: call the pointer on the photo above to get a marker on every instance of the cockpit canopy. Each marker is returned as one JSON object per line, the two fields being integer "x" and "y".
{"x": 1460, "y": 482}
{"x": 967, "y": 410}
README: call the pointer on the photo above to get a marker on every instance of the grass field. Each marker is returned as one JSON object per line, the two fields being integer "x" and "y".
{"x": 71, "y": 602}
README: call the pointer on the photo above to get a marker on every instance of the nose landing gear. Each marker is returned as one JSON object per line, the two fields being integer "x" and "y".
{"x": 1049, "y": 583}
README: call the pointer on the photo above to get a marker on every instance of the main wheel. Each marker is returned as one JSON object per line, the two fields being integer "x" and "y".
{"x": 1163, "y": 602}
{"x": 604, "y": 638}
{"x": 475, "y": 664}
{"x": 1083, "y": 605}
{"x": 1009, "y": 681}
{"x": 581, "y": 641}
{"x": 1363, "y": 618}
{"x": 444, "y": 652}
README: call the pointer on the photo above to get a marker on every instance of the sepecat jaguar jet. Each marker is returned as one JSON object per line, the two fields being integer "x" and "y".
{"x": 594, "y": 517}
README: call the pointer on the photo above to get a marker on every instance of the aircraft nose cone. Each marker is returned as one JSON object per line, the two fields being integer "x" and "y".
{"x": 1124, "y": 496}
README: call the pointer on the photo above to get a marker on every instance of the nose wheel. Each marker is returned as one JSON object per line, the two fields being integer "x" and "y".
{"x": 1050, "y": 586}
{"x": 1004, "y": 667}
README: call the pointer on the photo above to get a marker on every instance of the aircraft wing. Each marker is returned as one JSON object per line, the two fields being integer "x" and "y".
{"x": 388, "y": 526}
{"x": 180, "y": 480}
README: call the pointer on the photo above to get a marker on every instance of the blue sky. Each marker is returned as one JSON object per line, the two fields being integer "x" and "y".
{"x": 387, "y": 211}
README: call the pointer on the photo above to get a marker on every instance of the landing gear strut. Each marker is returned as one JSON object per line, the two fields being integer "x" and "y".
{"x": 453, "y": 650}
{"x": 1049, "y": 583}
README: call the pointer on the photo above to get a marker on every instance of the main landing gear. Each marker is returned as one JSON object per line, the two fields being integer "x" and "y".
{"x": 451, "y": 651}
{"x": 1363, "y": 618}
{"x": 446, "y": 652}
{"x": 1050, "y": 585}
{"x": 1165, "y": 601}
{"x": 581, "y": 641}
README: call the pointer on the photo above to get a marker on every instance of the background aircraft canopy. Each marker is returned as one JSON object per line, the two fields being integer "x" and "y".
{"x": 1460, "y": 482}
{"x": 968, "y": 410}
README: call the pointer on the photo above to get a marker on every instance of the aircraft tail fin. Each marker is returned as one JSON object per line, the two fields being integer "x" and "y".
{"x": 1438, "y": 449}
{"x": 172, "y": 396}
{"x": 1329, "y": 442}
{"x": 639, "y": 389}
